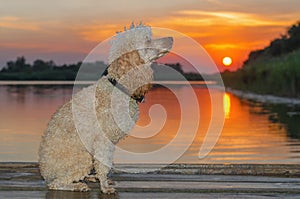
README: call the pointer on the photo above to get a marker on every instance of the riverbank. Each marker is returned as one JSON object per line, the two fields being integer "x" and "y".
{"x": 272, "y": 99}
{"x": 23, "y": 180}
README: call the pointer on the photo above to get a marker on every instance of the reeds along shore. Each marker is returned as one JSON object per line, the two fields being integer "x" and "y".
{"x": 278, "y": 76}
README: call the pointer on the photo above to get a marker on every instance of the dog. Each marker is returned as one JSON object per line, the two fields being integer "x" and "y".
{"x": 82, "y": 134}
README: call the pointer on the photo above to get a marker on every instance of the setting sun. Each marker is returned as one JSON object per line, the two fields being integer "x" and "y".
{"x": 227, "y": 61}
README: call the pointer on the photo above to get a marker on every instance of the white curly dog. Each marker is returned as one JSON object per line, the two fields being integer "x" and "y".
{"x": 82, "y": 134}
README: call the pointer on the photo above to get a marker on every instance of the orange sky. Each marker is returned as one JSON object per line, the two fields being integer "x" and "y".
{"x": 66, "y": 31}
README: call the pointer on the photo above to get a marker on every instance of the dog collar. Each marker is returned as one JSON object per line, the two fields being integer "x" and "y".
{"x": 124, "y": 90}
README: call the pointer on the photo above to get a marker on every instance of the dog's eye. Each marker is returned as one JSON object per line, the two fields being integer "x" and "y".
{"x": 148, "y": 42}
{"x": 148, "y": 39}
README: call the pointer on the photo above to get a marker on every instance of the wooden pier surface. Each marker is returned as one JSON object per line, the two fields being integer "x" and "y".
{"x": 23, "y": 180}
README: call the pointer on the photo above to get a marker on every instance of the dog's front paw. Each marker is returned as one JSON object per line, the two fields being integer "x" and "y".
{"x": 90, "y": 178}
{"x": 81, "y": 187}
{"x": 110, "y": 182}
{"x": 108, "y": 190}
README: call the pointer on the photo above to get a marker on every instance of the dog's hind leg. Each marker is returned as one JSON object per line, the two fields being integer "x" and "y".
{"x": 58, "y": 184}
{"x": 71, "y": 181}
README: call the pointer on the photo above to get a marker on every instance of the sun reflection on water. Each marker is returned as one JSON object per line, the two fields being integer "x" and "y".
{"x": 226, "y": 105}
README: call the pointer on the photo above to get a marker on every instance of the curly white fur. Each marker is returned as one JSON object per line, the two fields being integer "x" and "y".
{"x": 130, "y": 40}
{"x": 82, "y": 134}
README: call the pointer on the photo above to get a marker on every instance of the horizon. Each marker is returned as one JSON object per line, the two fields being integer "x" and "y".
{"x": 66, "y": 32}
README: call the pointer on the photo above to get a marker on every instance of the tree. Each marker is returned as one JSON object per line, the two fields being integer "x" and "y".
{"x": 294, "y": 37}
{"x": 18, "y": 66}
{"x": 277, "y": 47}
{"x": 40, "y": 65}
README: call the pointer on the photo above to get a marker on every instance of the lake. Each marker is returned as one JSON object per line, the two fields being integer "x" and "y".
{"x": 252, "y": 132}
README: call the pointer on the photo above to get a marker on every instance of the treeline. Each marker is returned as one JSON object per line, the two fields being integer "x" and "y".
{"x": 48, "y": 70}
{"x": 39, "y": 70}
{"x": 272, "y": 70}
{"x": 287, "y": 43}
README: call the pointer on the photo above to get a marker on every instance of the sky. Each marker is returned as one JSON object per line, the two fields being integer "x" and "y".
{"x": 66, "y": 31}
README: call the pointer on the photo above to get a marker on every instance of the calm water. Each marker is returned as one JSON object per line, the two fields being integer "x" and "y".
{"x": 252, "y": 133}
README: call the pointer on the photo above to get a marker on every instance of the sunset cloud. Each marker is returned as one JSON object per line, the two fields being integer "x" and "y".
{"x": 12, "y": 22}
{"x": 96, "y": 32}
{"x": 204, "y": 18}
{"x": 224, "y": 46}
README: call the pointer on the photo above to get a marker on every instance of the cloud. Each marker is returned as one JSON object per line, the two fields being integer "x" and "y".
{"x": 12, "y": 22}
{"x": 245, "y": 45}
{"x": 223, "y": 46}
{"x": 205, "y": 18}
{"x": 95, "y": 32}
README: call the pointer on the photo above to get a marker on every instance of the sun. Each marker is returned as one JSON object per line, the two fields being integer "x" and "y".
{"x": 227, "y": 61}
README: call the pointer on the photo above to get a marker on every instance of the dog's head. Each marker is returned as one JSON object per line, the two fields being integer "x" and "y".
{"x": 139, "y": 39}
{"x": 131, "y": 55}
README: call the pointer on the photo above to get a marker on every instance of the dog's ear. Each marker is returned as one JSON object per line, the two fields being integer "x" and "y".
{"x": 124, "y": 63}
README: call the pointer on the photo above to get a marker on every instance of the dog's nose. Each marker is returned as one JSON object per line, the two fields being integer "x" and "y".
{"x": 169, "y": 41}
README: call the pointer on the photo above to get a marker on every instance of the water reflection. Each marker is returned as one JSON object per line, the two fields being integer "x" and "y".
{"x": 53, "y": 194}
{"x": 252, "y": 133}
{"x": 248, "y": 135}
{"x": 288, "y": 116}
{"x": 25, "y": 112}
